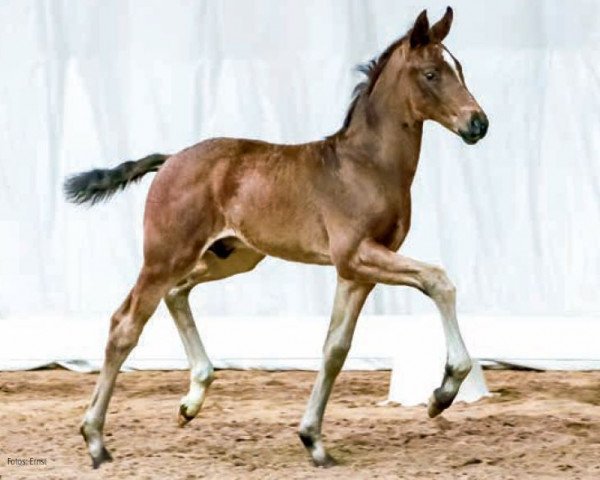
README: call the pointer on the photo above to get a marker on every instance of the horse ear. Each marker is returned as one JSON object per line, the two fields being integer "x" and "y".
{"x": 419, "y": 34}
{"x": 440, "y": 30}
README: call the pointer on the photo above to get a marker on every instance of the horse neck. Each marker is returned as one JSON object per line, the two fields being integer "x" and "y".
{"x": 388, "y": 134}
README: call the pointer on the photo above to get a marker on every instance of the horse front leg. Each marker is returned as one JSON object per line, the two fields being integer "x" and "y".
{"x": 374, "y": 263}
{"x": 458, "y": 360}
{"x": 349, "y": 300}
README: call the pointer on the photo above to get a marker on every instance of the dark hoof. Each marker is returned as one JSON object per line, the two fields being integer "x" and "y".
{"x": 323, "y": 461}
{"x": 433, "y": 409}
{"x": 326, "y": 462}
{"x": 104, "y": 456}
{"x": 183, "y": 418}
{"x": 439, "y": 402}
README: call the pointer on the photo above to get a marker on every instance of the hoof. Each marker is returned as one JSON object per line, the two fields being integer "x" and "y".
{"x": 316, "y": 450}
{"x": 434, "y": 409}
{"x": 326, "y": 462}
{"x": 183, "y": 418}
{"x": 439, "y": 402}
{"x": 104, "y": 456}
{"x": 94, "y": 443}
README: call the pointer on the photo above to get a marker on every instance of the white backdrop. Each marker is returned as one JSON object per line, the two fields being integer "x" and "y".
{"x": 514, "y": 219}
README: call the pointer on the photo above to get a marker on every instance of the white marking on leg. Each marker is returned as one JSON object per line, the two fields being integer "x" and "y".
{"x": 458, "y": 362}
{"x": 201, "y": 374}
{"x": 444, "y": 295}
{"x": 200, "y": 379}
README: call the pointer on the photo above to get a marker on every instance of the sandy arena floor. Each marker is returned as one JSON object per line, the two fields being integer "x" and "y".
{"x": 538, "y": 426}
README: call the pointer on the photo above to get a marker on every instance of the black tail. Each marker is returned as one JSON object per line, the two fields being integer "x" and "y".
{"x": 100, "y": 184}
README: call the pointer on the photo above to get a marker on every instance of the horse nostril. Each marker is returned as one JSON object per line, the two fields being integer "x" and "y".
{"x": 476, "y": 126}
{"x": 485, "y": 125}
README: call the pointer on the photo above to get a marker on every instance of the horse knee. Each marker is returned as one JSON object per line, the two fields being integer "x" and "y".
{"x": 439, "y": 286}
{"x": 177, "y": 297}
{"x": 347, "y": 266}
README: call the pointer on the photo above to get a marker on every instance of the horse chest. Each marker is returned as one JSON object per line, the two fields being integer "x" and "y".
{"x": 398, "y": 228}
{"x": 398, "y": 235}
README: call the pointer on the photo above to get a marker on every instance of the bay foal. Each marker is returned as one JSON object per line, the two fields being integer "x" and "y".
{"x": 218, "y": 208}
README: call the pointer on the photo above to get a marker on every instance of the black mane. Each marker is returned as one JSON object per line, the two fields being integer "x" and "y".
{"x": 372, "y": 70}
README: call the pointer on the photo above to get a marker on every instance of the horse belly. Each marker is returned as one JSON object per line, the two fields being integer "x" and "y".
{"x": 286, "y": 242}
{"x": 287, "y": 233}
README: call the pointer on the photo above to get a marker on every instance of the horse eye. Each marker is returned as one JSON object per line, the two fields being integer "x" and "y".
{"x": 430, "y": 75}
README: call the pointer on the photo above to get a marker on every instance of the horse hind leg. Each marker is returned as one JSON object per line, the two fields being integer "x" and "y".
{"x": 201, "y": 369}
{"x": 224, "y": 259}
{"x": 126, "y": 326}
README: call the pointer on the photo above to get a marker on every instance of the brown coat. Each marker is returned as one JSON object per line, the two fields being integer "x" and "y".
{"x": 217, "y": 208}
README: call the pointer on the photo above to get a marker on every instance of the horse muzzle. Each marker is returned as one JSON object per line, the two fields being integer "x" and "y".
{"x": 476, "y": 128}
